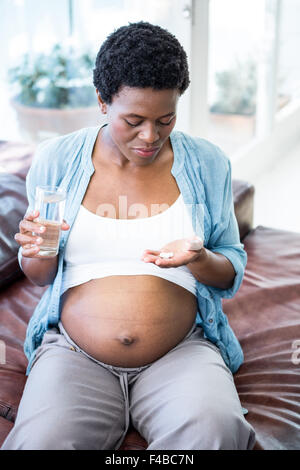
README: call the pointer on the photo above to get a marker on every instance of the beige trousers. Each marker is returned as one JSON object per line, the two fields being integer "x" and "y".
{"x": 185, "y": 400}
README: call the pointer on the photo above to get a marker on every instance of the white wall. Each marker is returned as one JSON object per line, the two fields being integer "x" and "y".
{"x": 260, "y": 155}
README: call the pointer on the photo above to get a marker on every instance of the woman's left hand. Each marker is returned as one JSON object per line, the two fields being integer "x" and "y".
{"x": 186, "y": 250}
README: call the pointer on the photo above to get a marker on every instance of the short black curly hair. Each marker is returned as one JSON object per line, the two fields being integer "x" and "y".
{"x": 140, "y": 55}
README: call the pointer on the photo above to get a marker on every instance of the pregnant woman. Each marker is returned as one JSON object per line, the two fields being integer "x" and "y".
{"x": 131, "y": 327}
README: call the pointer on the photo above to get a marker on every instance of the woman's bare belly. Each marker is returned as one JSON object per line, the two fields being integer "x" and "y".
{"x": 128, "y": 321}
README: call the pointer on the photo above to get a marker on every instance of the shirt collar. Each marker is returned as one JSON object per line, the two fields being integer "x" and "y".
{"x": 92, "y": 134}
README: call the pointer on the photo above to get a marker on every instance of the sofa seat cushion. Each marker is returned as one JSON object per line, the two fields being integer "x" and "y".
{"x": 17, "y": 303}
{"x": 265, "y": 315}
{"x": 5, "y": 428}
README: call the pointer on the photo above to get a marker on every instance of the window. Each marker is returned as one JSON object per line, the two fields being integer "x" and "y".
{"x": 288, "y": 84}
{"x": 235, "y": 30}
{"x": 76, "y": 27}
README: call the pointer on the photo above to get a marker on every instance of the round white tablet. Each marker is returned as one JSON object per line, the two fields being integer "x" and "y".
{"x": 166, "y": 255}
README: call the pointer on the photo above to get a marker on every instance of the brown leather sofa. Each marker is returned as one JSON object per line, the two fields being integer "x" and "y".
{"x": 265, "y": 314}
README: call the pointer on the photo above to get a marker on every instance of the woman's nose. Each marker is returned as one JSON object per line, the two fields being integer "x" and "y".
{"x": 149, "y": 133}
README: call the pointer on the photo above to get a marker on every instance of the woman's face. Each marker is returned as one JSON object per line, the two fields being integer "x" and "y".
{"x": 140, "y": 121}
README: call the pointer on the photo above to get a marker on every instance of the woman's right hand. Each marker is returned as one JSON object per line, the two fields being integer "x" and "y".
{"x": 30, "y": 243}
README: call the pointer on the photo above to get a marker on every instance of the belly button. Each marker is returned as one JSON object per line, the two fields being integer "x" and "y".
{"x": 125, "y": 339}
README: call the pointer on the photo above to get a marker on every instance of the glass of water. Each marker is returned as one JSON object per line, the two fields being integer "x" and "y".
{"x": 50, "y": 202}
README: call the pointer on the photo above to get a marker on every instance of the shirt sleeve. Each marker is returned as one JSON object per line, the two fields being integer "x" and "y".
{"x": 225, "y": 237}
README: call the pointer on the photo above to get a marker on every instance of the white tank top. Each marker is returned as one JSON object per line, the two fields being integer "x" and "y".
{"x": 101, "y": 246}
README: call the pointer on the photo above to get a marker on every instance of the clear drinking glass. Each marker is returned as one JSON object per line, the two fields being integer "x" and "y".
{"x": 50, "y": 202}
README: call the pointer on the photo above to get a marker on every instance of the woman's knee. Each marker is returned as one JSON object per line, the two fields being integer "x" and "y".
{"x": 39, "y": 439}
{"x": 224, "y": 428}
{"x": 200, "y": 426}
{"x": 64, "y": 434}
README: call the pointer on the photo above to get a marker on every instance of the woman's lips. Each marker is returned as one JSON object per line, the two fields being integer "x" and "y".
{"x": 146, "y": 152}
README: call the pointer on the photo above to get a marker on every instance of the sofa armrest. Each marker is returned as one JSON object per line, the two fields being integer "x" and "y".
{"x": 243, "y": 198}
{"x": 12, "y": 209}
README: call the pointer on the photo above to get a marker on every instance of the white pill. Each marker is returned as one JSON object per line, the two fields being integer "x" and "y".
{"x": 166, "y": 255}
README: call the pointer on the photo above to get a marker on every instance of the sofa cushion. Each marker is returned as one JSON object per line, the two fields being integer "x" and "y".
{"x": 265, "y": 315}
{"x": 12, "y": 209}
{"x": 15, "y": 161}
{"x": 243, "y": 198}
{"x": 5, "y": 427}
{"x": 17, "y": 303}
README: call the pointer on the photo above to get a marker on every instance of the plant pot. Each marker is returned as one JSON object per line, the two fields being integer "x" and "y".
{"x": 37, "y": 124}
{"x": 230, "y": 131}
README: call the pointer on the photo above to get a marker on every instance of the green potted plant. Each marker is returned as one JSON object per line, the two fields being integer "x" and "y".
{"x": 53, "y": 93}
{"x": 236, "y": 89}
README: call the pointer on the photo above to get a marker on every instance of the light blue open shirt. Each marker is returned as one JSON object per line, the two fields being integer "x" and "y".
{"x": 203, "y": 175}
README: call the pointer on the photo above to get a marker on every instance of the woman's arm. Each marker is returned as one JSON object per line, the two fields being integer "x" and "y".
{"x": 213, "y": 269}
{"x": 40, "y": 271}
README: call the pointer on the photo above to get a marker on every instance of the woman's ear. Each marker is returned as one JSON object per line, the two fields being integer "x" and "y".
{"x": 101, "y": 103}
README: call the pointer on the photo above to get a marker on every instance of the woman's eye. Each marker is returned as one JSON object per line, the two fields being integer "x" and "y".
{"x": 132, "y": 124}
{"x": 166, "y": 123}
